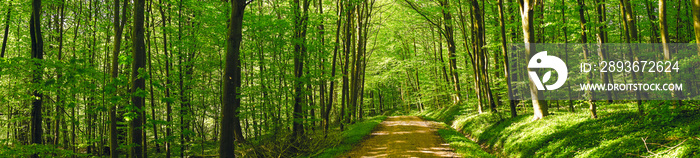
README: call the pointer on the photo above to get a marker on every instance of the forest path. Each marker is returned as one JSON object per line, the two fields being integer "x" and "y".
{"x": 404, "y": 136}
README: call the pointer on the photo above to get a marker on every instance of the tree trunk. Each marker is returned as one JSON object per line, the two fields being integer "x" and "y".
{"x": 150, "y": 79}
{"x": 664, "y": 29}
{"x": 346, "y": 54}
{"x": 696, "y": 23}
{"x": 138, "y": 84}
{"x": 650, "y": 10}
{"x": 331, "y": 92}
{"x": 7, "y": 29}
{"x": 480, "y": 54}
{"x": 602, "y": 37}
{"x": 37, "y": 53}
{"x": 232, "y": 82}
{"x": 184, "y": 99}
{"x": 629, "y": 37}
{"x": 449, "y": 36}
{"x": 506, "y": 61}
{"x": 322, "y": 90}
{"x": 168, "y": 82}
{"x": 59, "y": 106}
{"x": 566, "y": 48}
{"x": 355, "y": 66}
{"x": 631, "y": 19}
{"x": 471, "y": 54}
{"x": 300, "y": 53}
{"x": 539, "y": 105}
{"x": 118, "y": 27}
{"x": 584, "y": 40}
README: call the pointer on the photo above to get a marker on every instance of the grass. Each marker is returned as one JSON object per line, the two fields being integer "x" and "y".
{"x": 351, "y": 137}
{"x": 458, "y": 141}
{"x": 461, "y": 144}
{"x": 441, "y": 114}
{"x": 618, "y": 132}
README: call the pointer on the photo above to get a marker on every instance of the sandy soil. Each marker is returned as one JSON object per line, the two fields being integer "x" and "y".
{"x": 403, "y": 136}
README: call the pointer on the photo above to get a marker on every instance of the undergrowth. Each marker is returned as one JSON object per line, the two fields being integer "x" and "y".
{"x": 462, "y": 145}
{"x": 619, "y": 131}
{"x": 349, "y": 138}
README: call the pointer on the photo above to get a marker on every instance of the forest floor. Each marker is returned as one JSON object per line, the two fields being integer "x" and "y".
{"x": 619, "y": 131}
{"x": 404, "y": 136}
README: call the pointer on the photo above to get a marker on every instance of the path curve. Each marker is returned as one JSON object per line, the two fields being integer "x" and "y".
{"x": 403, "y": 136}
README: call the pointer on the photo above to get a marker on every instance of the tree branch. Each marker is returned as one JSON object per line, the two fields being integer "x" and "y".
{"x": 665, "y": 151}
{"x": 414, "y": 7}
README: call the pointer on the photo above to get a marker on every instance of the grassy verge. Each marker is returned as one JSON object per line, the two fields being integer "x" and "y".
{"x": 618, "y": 132}
{"x": 461, "y": 144}
{"x": 445, "y": 115}
{"x": 351, "y": 137}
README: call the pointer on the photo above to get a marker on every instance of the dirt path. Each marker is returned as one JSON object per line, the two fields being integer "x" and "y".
{"x": 403, "y": 136}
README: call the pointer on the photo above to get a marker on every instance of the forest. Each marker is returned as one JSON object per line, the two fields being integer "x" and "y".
{"x": 344, "y": 78}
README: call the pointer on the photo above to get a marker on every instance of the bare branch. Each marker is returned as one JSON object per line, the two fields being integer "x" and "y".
{"x": 665, "y": 151}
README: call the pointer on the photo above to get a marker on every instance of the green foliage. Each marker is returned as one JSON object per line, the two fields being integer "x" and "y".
{"x": 141, "y": 93}
{"x": 351, "y": 137}
{"x": 125, "y": 59}
{"x": 168, "y": 100}
{"x": 406, "y": 73}
{"x": 618, "y": 132}
{"x": 660, "y": 113}
{"x": 143, "y": 74}
{"x": 462, "y": 145}
{"x": 445, "y": 114}
{"x": 41, "y": 150}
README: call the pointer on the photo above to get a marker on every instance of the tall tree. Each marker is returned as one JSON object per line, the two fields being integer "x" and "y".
{"x": 566, "y": 47}
{"x": 329, "y": 105}
{"x": 663, "y": 28}
{"x": 322, "y": 52}
{"x": 150, "y": 74}
{"x": 183, "y": 75}
{"x": 168, "y": 82}
{"x": 584, "y": 39}
{"x": 230, "y": 123}
{"x": 630, "y": 34}
{"x": 479, "y": 56}
{"x": 138, "y": 84}
{"x": 59, "y": 106}
{"x": 299, "y": 37}
{"x": 504, "y": 50}
{"x": 602, "y": 37}
{"x": 347, "y": 43}
{"x": 38, "y": 54}
{"x": 364, "y": 10}
{"x": 539, "y": 105}
{"x": 7, "y": 29}
{"x": 471, "y": 54}
{"x": 631, "y": 19}
{"x": 451, "y": 48}
{"x": 118, "y": 29}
